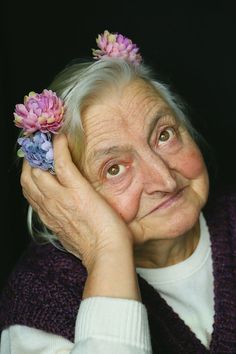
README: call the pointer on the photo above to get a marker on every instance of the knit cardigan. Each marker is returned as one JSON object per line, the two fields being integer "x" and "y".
{"x": 45, "y": 291}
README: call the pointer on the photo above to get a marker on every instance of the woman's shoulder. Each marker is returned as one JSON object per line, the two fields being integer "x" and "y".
{"x": 221, "y": 205}
{"x": 45, "y": 288}
{"x": 222, "y": 192}
{"x": 47, "y": 264}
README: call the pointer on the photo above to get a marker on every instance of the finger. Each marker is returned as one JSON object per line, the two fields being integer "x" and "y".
{"x": 39, "y": 184}
{"x": 67, "y": 172}
{"x": 41, "y": 213}
{"x": 32, "y": 202}
{"x": 27, "y": 181}
{"x": 46, "y": 183}
{"x": 26, "y": 169}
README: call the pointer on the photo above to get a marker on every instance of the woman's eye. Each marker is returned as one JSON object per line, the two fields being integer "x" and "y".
{"x": 115, "y": 170}
{"x": 166, "y": 135}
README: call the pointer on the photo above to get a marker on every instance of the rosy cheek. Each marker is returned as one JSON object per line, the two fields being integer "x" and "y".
{"x": 191, "y": 163}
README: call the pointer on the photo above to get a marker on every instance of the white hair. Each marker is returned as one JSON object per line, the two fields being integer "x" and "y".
{"x": 79, "y": 85}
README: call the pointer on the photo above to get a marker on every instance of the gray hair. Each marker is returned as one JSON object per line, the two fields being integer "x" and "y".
{"x": 79, "y": 85}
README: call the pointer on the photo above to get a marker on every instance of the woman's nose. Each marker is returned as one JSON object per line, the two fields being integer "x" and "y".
{"x": 157, "y": 175}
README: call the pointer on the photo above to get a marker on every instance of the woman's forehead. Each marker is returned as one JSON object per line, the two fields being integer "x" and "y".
{"x": 122, "y": 121}
{"x": 137, "y": 100}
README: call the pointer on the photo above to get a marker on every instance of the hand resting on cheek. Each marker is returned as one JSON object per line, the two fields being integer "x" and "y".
{"x": 66, "y": 202}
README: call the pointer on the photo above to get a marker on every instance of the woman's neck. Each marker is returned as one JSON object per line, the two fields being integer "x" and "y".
{"x": 167, "y": 252}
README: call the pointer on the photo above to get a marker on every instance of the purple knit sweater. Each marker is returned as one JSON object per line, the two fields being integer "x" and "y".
{"x": 46, "y": 287}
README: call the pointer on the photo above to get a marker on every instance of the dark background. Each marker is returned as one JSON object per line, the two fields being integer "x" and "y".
{"x": 192, "y": 47}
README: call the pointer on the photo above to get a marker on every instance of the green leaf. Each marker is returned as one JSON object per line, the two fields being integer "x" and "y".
{"x": 20, "y": 153}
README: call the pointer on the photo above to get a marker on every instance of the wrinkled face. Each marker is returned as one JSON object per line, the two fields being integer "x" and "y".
{"x": 144, "y": 163}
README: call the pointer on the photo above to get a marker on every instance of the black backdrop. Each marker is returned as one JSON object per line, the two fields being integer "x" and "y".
{"x": 192, "y": 48}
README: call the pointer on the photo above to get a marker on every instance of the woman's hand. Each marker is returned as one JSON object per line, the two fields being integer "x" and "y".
{"x": 69, "y": 206}
{"x": 84, "y": 223}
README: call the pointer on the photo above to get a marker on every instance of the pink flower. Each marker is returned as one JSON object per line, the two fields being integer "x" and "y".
{"x": 42, "y": 112}
{"x": 118, "y": 46}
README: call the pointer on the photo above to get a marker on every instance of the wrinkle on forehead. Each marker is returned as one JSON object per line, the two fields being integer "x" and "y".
{"x": 128, "y": 98}
{"x": 132, "y": 110}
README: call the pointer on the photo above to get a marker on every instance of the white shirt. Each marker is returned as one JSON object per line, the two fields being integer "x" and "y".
{"x": 188, "y": 287}
{"x": 111, "y": 325}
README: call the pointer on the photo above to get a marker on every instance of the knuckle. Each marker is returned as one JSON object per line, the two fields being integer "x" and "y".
{"x": 24, "y": 178}
{"x": 60, "y": 166}
{"x": 36, "y": 172}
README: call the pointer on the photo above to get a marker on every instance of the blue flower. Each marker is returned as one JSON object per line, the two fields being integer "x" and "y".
{"x": 37, "y": 150}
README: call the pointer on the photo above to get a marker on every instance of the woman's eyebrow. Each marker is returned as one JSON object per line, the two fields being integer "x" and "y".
{"x": 99, "y": 154}
{"x": 155, "y": 119}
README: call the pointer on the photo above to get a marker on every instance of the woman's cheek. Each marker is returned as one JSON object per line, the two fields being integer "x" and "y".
{"x": 125, "y": 203}
{"x": 191, "y": 163}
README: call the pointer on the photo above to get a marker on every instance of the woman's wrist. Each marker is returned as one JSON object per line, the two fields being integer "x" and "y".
{"x": 112, "y": 274}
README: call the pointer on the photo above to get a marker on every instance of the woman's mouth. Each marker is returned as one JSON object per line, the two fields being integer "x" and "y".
{"x": 169, "y": 201}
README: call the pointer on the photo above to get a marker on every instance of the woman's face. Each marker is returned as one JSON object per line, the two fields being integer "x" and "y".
{"x": 144, "y": 162}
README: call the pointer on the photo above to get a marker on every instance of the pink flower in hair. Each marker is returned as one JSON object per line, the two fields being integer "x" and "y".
{"x": 117, "y": 46}
{"x": 42, "y": 112}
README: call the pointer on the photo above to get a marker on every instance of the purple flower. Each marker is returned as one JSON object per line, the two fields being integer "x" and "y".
{"x": 38, "y": 150}
{"x": 116, "y": 45}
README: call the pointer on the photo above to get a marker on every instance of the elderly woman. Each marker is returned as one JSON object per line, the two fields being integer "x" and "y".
{"x": 144, "y": 258}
